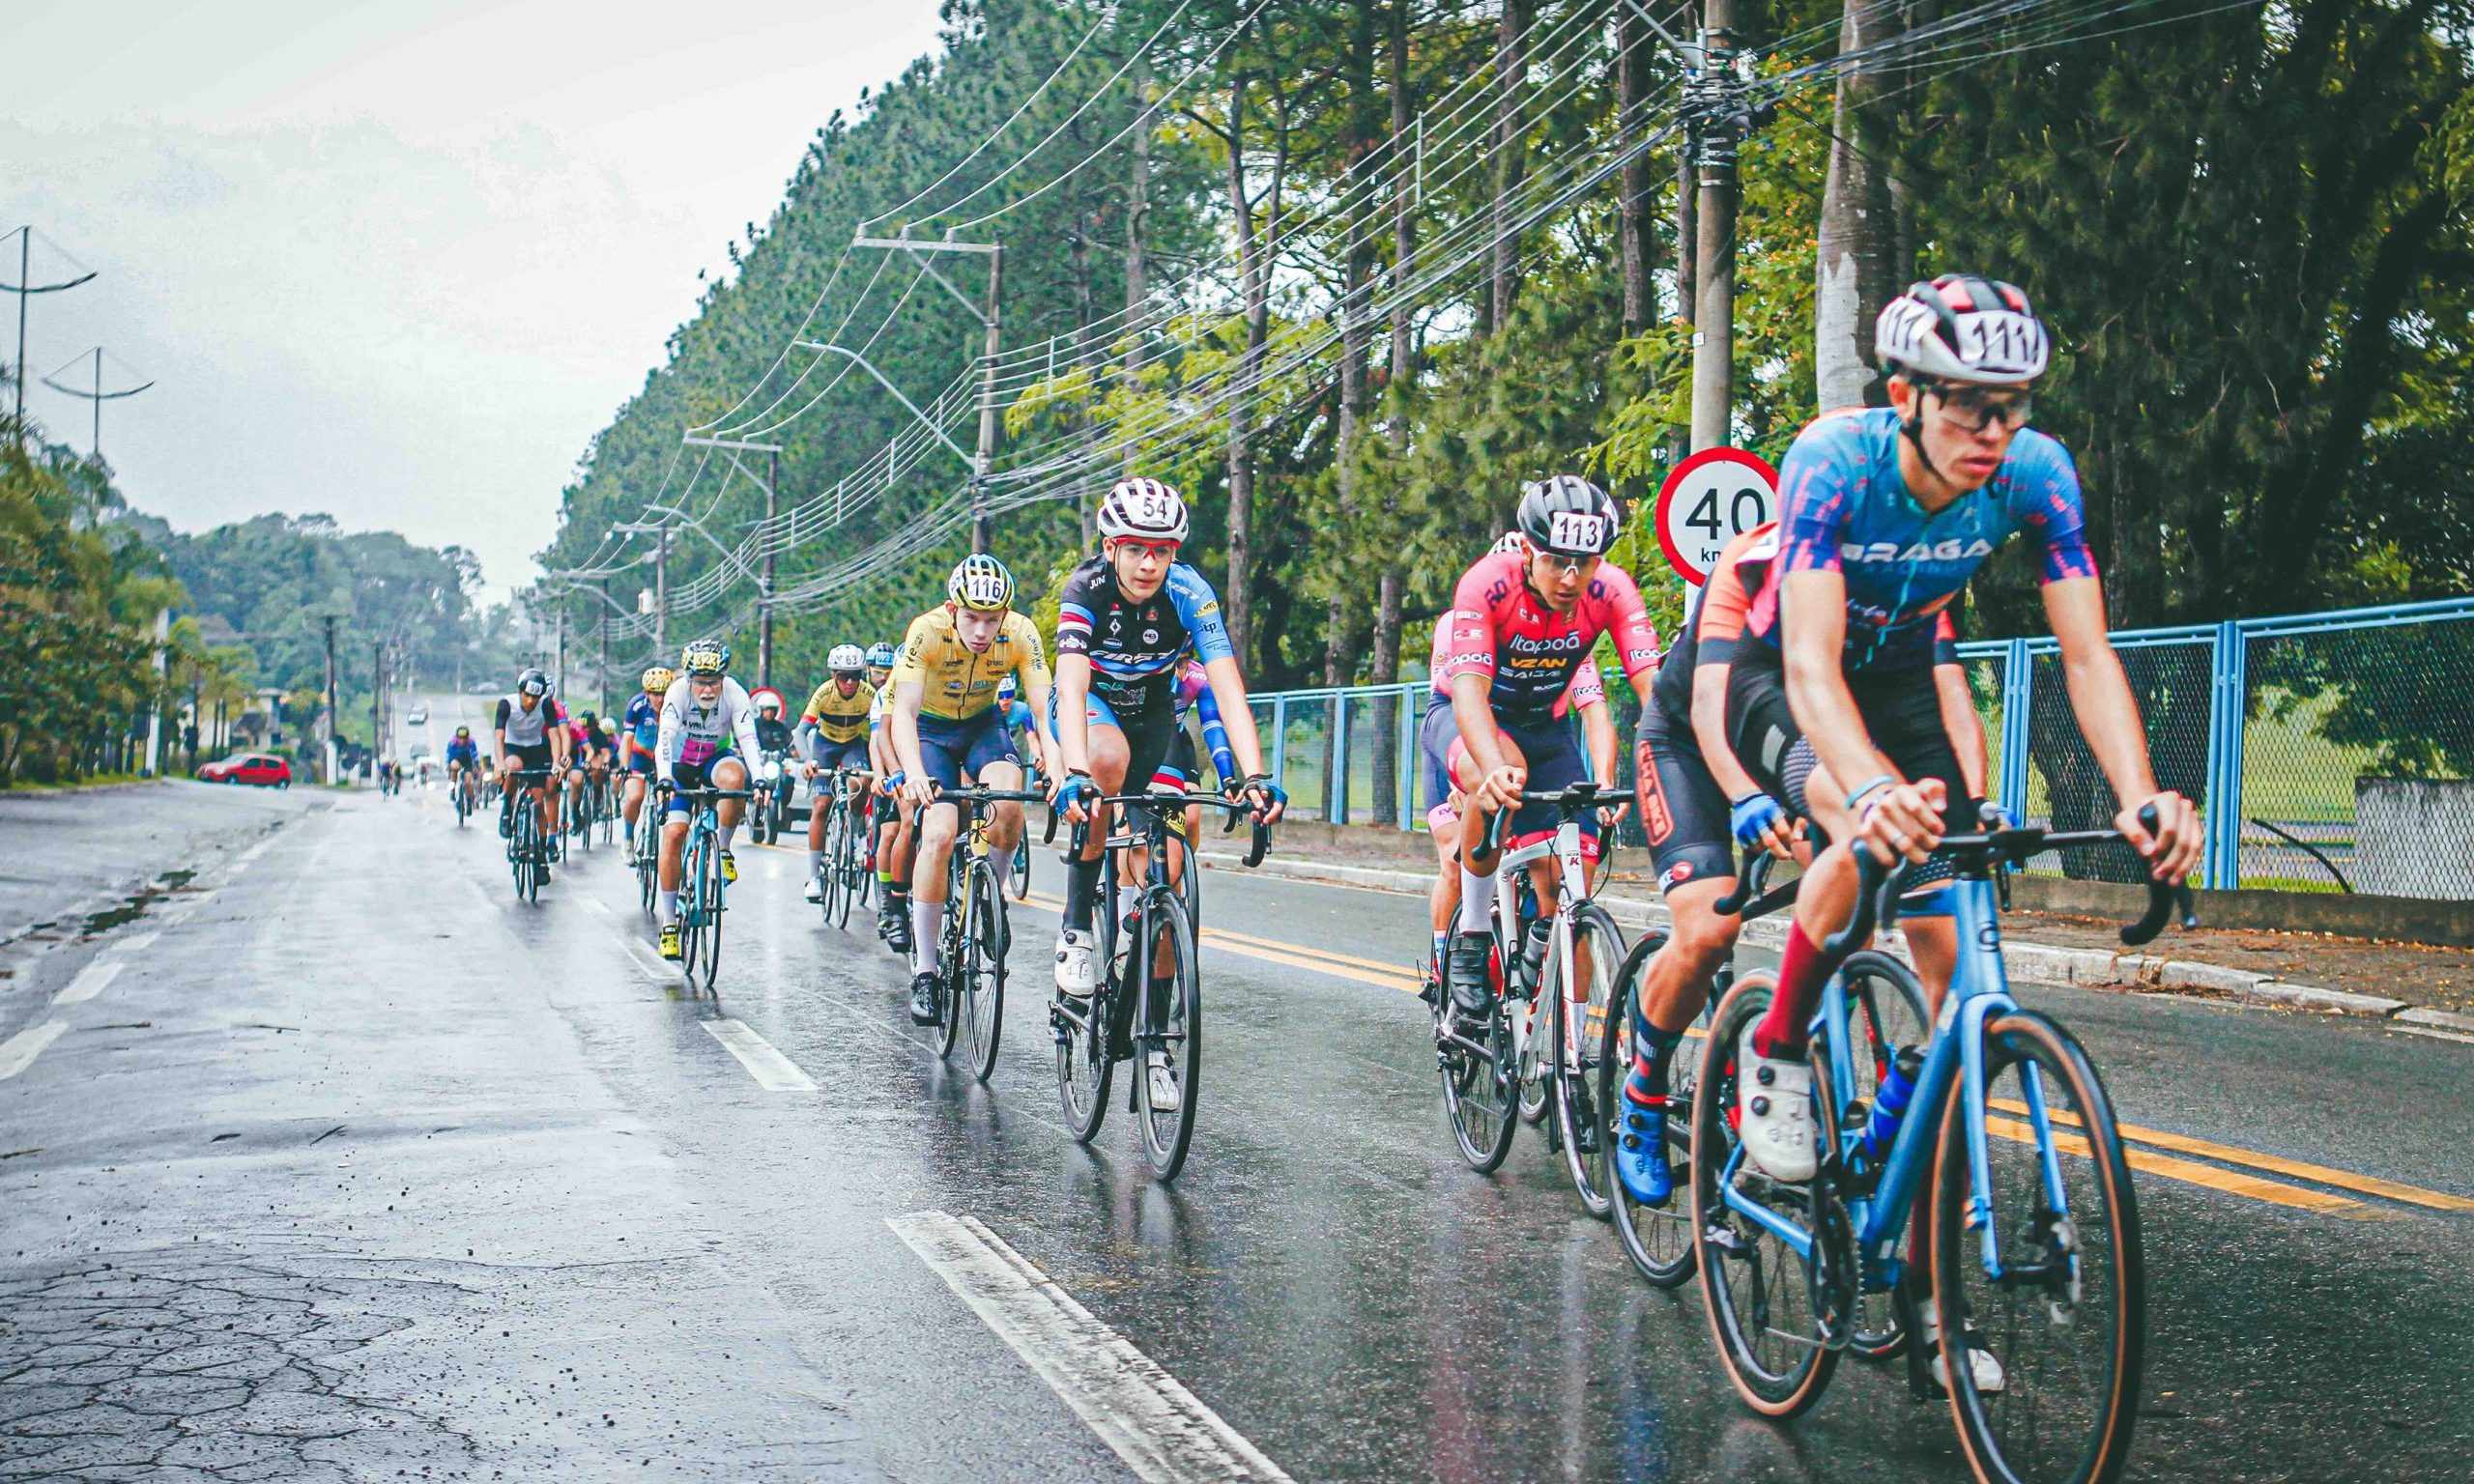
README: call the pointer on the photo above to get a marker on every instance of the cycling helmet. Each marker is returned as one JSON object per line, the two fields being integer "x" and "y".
{"x": 588, "y": 720}
{"x": 848, "y": 660}
{"x": 1960, "y": 328}
{"x": 1145, "y": 509}
{"x": 980, "y": 582}
{"x": 659, "y": 680}
{"x": 1509, "y": 542}
{"x": 1568, "y": 516}
{"x": 610, "y": 727}
{"x": 882, "y": 655}
{"x": 767, "y": 700}
{"x": 462, "y": 732}
{"x": 1005, "y": 691}
{"x": 533, "y": 683}
{"x": 707, "y": 657}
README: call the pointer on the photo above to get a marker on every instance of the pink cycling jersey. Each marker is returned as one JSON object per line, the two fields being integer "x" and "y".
{"x": 1500, "y": 629}
{"x": 1588, "y": 688}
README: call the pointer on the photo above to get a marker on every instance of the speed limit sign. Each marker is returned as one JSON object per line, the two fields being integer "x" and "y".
{"x": 1713, "y": 497}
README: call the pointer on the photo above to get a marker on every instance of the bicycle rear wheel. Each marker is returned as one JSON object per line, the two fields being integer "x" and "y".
{"x": 1083, "y": 1067}
{"x": 1174, "y": 1025}
{"x": 983, "y": 965}
{"x": 1658, "y": 1238}
{"x": 1480, "y": 1096}
{"x": 1020, "y": 883}
{"x": 1580, "y": 1053}
{"x": 1763, "y": 1300}
{"x": 2068, "y": 1319}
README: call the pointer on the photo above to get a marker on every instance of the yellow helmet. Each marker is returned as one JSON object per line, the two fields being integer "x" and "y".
{"x": 980, "y": 582}
{"x": 658, "y": 682}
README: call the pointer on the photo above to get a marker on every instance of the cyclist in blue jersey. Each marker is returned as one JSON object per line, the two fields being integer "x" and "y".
{"x": 1018, "y": 717}
{"x": 640, "y": 730}
{"x": 464, "y": 766}
{"x": 1127, "y": 621}
{"x": 1886, "y": 514}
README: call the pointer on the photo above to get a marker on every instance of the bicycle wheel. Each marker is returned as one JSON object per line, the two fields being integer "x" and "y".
{"x": 1020, "y": 883}
{"x": 2067, "y": 1318}
{"x": 1084, "y": 1065}
{"x": 1884, "y": 1012}
{"x": 527, "y": 851}
{"x": 950, "y": 928}
{"x": 1763, "y": 1299}
{"x": 830, "y": 881}
{"x": 1174, "y": 1025}
{"x": 983, "y": 963}
{"x": 1658, "y": 1238}
{"x": 691, "y": 901}
{"x": 1480, "y": 1096}
{"x": 1580, "y": 1058}
{"x": 713, "y": 905}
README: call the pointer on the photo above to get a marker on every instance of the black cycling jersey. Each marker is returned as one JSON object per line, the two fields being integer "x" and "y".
{"x": 772, "y": 736}
{"x": 1136, "y": 648}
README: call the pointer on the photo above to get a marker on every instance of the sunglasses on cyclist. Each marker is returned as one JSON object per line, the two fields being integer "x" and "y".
{"x": 1978, "y": 407}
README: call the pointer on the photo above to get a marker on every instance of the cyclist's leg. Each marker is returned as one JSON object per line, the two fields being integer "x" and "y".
{"x": 1554, "y": 761}
{"x": 944, "y": 747}
{"x": 674, "y": 837}
{"x": 821, "y": 790}
{"x": 1685, "y": 815}
{"x": 1109, "y": 755}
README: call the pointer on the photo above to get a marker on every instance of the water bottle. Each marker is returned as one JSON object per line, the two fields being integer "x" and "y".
{"x": 1890, "y": 1103}
{"x": 1533, "y": 951}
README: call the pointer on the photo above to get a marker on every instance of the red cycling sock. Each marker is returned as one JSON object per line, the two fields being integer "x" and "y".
{"x": 1802, "y": 970}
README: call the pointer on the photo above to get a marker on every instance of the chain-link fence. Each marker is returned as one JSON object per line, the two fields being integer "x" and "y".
{"x": 2330, "y": 751}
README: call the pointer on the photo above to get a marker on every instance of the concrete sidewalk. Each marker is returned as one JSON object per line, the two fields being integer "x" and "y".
{"x": 2430, "y": 989}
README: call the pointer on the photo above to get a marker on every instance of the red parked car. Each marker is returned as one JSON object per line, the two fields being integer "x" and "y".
{"x": 265, "y": 769}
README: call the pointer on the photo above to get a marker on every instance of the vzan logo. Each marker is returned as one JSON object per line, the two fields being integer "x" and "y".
{"x": 1952, "y": 550}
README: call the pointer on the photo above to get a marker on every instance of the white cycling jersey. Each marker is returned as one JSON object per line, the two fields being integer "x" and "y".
{"x": 696, "y": 734}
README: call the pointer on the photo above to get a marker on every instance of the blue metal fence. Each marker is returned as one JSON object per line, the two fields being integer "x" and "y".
{"x": 2329, "y": 751}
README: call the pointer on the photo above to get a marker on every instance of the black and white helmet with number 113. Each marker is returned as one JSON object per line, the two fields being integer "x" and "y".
{"x": 1568, "y": 516}
{"x": 1145, "y": 509}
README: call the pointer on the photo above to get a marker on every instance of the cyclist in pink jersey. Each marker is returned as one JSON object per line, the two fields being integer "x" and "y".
{"x": 1521, "y": 625}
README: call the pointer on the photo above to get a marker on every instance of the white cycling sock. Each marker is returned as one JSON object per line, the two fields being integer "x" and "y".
{"x": 1000, "y": 859}
{"x": 1476, "y": 900}
{"x": 816, "y": 864}
{"x": 727, "y": 831}
{"x": 670, "y": 909}
{"x": 923, "y": 935}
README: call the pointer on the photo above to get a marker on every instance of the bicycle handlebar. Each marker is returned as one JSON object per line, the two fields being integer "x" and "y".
{"x": 1259, "y": 846}
{"x": 1570, "y": 802}
{"x": 1878, "y": 885}
{"x": 1749, "y": 884}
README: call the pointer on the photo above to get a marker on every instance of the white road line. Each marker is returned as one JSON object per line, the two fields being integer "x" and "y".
{"x": 592, "y": 905}
{"x": 89, "y": 983}
{"x": 772, "y": 1071}
{"x": 19, "y": 1051}
{"x": 1163, "y": 1432}
{"x": 650, "y": 965}
{"x": 129, "y": 947}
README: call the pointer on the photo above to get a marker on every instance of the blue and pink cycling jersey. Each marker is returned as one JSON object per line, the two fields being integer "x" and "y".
{"x": 1845, "y": 508}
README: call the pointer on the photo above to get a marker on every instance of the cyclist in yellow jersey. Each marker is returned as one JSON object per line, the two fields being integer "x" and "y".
{"x": 833, "y": 735}
{"x": 948, "y": 731}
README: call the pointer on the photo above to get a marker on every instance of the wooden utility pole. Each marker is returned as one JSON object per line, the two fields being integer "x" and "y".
{"x": 1721, "y": 128}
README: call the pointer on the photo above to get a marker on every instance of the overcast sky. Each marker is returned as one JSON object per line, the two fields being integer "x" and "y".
{"x": 396, "y": 261}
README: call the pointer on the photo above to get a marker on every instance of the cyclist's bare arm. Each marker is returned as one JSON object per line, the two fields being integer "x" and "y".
{"x": 2100, "y": 697}
{"x": 1813, "y": 641}
{"x": 1473, "y": 712}
{"x": 1073, "y": 721}
{"x": 902, "y": 719}
{"x": 1709, "y": 731}
{"x": 1229, "y": 690}
{"x": 1965, "y": 726}
{"x": 1043, "y": 740}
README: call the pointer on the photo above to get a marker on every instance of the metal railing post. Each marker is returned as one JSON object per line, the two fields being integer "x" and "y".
{"x": 2227, "y": 707}
{"x": 1279, "y": 740}
{"x": 1335, "y": 788}
{"x": 2018, "y": 698}
{"x": 1407, "y": 752}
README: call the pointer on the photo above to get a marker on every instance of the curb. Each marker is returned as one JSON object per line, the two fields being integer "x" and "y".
{"x": 2044, "y": 962}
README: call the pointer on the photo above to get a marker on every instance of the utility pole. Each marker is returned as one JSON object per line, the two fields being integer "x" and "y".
{"x": 982, "y": 521}
{"x": 660, "y": 532}
{"x": 332, "y": 750}
{"x": 154, "y": 710}
{"x": 26, "y": 288}
{"x": 98, "y": 396}
{"x": 559, "y": 685}
{"x": 1713, "y": 97}
{"x": 605, "y": 646}
{"x": 378, "y": 697}
{"x": 765, "y": 589}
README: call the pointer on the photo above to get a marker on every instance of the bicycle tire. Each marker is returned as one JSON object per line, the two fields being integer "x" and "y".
{"x": 984, "y": 970}
{"x": 1581, "y": 1122}
{"x": 1167, "y": 1135}
{"x": 1658, "y": 1238}
{"x": 1888, "y": 1013}
{"x": 1479, "y": 1099}
{"x": 714, "y": 904}
{"x": 2004, "y": 1436}
{"x": 1020, "y": 883}
{"x": 830, "y": 885}
{"x": 1083, "y": 1067}
{"x": 1788, "y": 1375}
{"x": 691, "y": 901}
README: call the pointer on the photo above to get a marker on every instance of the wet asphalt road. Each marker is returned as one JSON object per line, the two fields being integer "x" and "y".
{"x": 358, "y": 1167}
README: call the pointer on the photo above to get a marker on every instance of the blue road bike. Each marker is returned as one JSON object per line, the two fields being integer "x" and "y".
{"x": 701, "y": 887}
{"x": 1995, "y": 1143}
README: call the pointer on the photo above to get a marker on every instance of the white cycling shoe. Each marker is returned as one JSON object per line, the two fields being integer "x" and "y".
{"x": 1984, "y": 1367}
{"x": 1162, "y": 1086}
{"x": 1077, "y": 969}
{"x": 815, "y": 889}
{"x": 1775, "y": 1105}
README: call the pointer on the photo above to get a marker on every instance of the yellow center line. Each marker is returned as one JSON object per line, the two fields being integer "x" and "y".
{"x": 2230, "y": 1180}
{"x": 1294, "y": 955}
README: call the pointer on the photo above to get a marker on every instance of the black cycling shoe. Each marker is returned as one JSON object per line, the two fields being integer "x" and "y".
{"x": 1467, "y": 970}
{"x": 897, "y": 934}
{"x": 922, "y": 1000}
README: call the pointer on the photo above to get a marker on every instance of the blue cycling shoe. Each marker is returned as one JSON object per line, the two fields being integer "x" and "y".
{"x": 1640, "y": 1155}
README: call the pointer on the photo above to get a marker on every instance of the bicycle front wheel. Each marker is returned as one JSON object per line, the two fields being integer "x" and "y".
{"x": 1174, "y": 1025}
{"x": 832, "y": 883}
{"x": 713, "y": 905}
{"x": 1480, "y": 1091}
{"x": 1580, "y": 1050}
{"x": 2064, "y": 1320}
{"x": 1658, "y": 1238}
{"x": 982, "y": 1005}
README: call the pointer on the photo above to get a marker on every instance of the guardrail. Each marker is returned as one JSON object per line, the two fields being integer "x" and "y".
{"x": 2330, "y": 751}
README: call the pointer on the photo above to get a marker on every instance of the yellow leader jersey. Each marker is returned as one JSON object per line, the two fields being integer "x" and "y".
{"x": 958, "y": 684}
{"x": 838, "y": 718}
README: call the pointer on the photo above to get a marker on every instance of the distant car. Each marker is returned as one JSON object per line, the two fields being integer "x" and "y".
{"x": 419, "y": 716}
{"x": 264, "y": 769}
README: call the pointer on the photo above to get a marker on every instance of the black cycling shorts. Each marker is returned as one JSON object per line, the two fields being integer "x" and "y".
{"x": 1682, "y": 809}
{"x": 535, "y": 758}
{"x": 1902, "y": 712}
